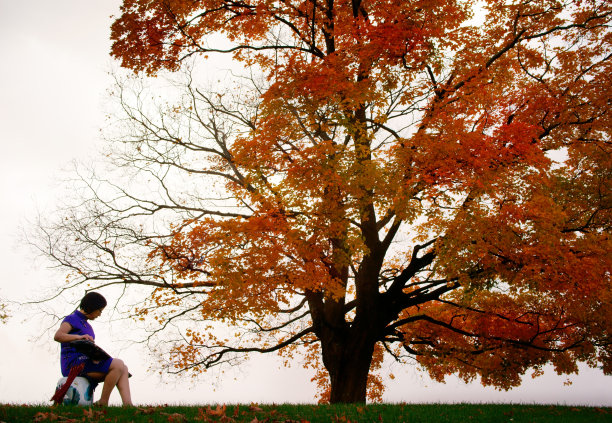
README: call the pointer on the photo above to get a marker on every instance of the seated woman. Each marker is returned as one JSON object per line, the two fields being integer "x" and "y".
{"x": 76, "y": 326}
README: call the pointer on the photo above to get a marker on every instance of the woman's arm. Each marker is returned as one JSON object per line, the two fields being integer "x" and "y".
{"x": 63, "y": 335}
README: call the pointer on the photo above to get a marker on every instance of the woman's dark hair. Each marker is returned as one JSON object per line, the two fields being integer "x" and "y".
{"x": 92, "y": 301}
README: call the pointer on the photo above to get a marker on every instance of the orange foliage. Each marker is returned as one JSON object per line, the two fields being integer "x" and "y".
{"x": 401, "y": 121}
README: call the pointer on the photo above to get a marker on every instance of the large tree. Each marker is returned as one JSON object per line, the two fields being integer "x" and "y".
{"x": 422, "y": 178}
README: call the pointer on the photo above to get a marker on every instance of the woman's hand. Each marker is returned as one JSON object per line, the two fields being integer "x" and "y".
{"x": 87, "y": 338}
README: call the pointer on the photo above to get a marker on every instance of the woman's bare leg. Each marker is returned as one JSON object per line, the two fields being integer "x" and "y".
{"x": 123, "y": 385}
{"x": 117, "y": 376}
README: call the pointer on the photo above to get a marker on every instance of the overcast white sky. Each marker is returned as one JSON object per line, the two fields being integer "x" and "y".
{"x": 52, "y": 90}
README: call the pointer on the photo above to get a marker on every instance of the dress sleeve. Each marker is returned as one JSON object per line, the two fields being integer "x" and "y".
{"x": 72, "y": 320}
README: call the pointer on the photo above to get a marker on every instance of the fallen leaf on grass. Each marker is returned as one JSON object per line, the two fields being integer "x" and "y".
{"x": 175, "y": 417}
{"x": 254, "y": 407}
{"x": 202, "y": 415}
{"x": 40, "y": 416}
{"x": 219, "y": 411}
{"x": 93, "y": 414}
{"x": 148, "y": 410}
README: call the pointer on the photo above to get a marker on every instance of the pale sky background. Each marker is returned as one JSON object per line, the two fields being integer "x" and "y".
{"x": 53, "y": 82}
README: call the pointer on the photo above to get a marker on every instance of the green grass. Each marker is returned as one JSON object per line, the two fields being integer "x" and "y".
{"x": 389, "y": 413}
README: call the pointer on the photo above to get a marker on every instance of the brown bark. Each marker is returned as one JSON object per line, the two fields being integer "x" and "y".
{"x": 348, "y": 364}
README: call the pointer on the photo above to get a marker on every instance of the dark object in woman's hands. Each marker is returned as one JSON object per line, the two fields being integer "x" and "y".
{"x": 90, "y": 349}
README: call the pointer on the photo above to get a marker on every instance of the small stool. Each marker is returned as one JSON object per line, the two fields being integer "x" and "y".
{"x": 80, "y": 391}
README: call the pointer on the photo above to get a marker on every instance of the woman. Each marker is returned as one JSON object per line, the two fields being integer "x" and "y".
{"x": 76, "y": 326}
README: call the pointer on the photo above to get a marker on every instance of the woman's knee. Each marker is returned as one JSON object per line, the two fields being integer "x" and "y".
{"x": 118, "y": 364}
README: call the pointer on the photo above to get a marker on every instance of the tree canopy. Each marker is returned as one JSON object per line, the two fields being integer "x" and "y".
{"x": 425, "y": 179}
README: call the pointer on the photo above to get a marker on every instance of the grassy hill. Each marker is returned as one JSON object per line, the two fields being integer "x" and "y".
{"x": 390, "y": 413}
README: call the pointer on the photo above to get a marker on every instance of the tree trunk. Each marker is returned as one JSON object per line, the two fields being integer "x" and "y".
{"x": 348, "y": 364}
